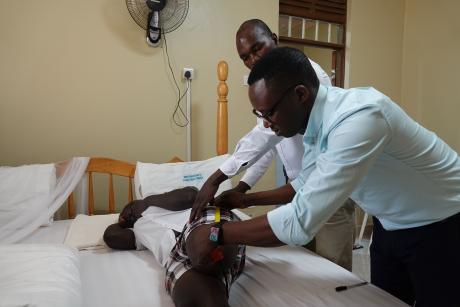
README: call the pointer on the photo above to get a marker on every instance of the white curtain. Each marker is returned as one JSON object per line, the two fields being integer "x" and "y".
{"x": 30, "y": 195}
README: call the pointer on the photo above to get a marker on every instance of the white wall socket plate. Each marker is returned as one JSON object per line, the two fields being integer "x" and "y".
{"x": 191, "y": 70}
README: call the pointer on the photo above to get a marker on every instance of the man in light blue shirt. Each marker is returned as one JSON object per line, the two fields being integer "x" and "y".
{"x": 334, "y": 241}
{"x": 359, "y": 143}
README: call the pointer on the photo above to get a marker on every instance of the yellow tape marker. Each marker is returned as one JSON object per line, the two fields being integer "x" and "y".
{"x": 217, "y": 215}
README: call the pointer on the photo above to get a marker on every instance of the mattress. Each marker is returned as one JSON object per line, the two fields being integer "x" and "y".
{"x": 41, "y": 275}
{"x": 301, "y": 278}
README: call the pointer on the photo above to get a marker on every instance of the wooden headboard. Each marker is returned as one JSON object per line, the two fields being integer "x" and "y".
{"x": 126, "y": 169}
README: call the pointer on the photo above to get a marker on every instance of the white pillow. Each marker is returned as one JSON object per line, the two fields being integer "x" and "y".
{"x": 26, "y": 187}
{"x": 151, "y": 178}
{"x": 87, "y": 231}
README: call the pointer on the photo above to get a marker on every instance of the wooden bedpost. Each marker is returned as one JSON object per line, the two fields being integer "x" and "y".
{"x": 222, "y": 111}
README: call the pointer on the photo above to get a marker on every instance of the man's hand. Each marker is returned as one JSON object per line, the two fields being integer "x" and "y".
{"x": 206, "y": 194}
{"x": 199, "y": 249}
{"x": 230, "y": 200}
{"x": 242, "y": 187}
{"x": 131, "y": 213}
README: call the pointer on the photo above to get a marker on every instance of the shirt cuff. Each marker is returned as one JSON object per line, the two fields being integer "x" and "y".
{"x": 296, "y": 184}
{"x": 231, "y": 167}
{"x": 250, "y": 178}
{"x": 285, "y": 226}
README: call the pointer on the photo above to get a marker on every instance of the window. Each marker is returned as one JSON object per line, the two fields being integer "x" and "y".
{"x": 318, "y": 28}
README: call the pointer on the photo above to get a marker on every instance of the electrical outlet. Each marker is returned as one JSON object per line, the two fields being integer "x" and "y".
{"x": 187, "y": 71}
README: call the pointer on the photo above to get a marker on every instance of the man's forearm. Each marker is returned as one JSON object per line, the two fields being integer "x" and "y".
{"x": 281, "y": 195}
{"x": 217, "y": 177}
{"x": 253, "y": 232}
{"x": 175, "y": 200}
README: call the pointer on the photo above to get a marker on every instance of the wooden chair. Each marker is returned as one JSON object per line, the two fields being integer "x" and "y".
{"x": 110, "y": 167}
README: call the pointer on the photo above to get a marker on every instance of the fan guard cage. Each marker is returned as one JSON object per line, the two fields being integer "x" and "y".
{"x": 171, "y": 16}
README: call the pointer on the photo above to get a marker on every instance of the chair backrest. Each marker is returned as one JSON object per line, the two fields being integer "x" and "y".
{"x": 110, "y": 167}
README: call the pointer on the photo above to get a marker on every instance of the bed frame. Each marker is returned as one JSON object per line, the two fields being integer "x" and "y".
{"x": 113, "y": 167}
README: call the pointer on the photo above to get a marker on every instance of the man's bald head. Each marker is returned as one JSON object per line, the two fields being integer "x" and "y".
{"x": 256, "y": 24}
{"x": 253, "y": 40}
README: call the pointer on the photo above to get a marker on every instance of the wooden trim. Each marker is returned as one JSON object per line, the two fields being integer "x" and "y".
{"x": 111, "y": 195}
{"x": 111, "y": 166}
{"x": 342, "y": 58}
{"x": 90, "y": 194}
{"x": 311, "y": 43}
{"x": 71, "y": 206}
{"x": 130, "y": 189}
{"x": 340, "y": 68}
{"x": 334, "y": 11}
{"x": 175, "y": 159}
{"x": 222, "y": 111}
{"x": 340, "y": 54}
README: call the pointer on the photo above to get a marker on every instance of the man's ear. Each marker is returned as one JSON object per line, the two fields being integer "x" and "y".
{"x": 275, "y": 38}
{"x": 303, "y": 94}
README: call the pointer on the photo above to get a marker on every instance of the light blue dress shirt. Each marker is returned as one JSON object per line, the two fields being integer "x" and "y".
{"x": 360, "y": 143}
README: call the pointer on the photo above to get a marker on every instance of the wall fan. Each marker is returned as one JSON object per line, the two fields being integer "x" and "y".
{"x": 157, "y": 16}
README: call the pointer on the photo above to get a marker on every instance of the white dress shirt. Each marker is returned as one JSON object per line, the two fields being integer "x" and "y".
{"x": 361, "y": 143}
{"x": 256, "y": 150}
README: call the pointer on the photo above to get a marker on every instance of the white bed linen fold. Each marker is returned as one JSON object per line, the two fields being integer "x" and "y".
{"x": 25, "y": 188}
{"x": 24, "y": 210}
{"x": 40, "y": 275}
{"x": 87, "y": 231}
{"x": 293, "y": 276}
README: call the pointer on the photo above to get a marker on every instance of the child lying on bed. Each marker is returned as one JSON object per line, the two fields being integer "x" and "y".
{"x": 160, "y": 223}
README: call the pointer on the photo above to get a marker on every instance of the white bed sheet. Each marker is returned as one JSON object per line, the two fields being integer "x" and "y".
{"x": 277, "y": 277}
{"x": 41, "y": 275}
{"x": 112, "y": 278}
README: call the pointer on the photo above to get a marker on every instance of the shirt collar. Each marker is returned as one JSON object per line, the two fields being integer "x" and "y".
{"x": 316, "y": 115}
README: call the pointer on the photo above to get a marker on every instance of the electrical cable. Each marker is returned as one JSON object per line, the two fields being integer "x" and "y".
{"x": 178, "y": 106}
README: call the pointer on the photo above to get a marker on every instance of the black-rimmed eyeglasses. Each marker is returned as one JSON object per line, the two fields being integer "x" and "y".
{"x": 268, "y": 114}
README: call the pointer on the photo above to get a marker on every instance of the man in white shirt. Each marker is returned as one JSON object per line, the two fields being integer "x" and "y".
{"x": 359, "y": 144}
{"x": 335, "y": 240}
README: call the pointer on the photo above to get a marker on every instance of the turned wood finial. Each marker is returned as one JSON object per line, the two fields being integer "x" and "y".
{"x": 222, "y": 73}
{"x": 222, "y": 112}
